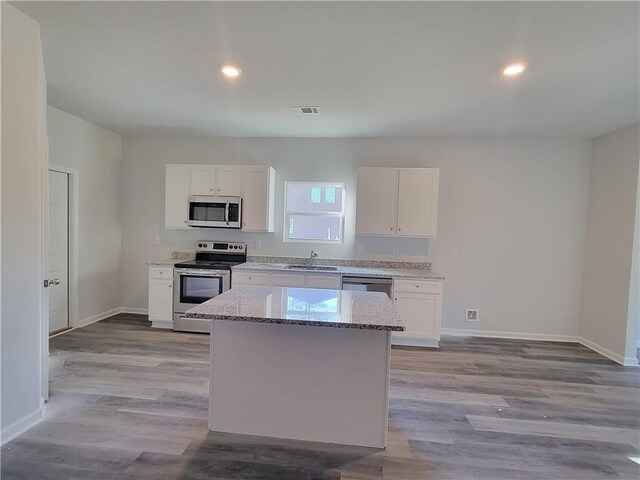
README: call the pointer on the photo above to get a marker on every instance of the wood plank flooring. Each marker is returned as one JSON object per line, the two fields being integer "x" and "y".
{"x": 129, "y": 402}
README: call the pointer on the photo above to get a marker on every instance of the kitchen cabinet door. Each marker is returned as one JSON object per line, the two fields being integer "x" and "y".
{"x": 176, "y": 202}
{"x": 203, "y": 180}
{"x": 288, "y": 279}
{"x": 376, "y": 201}
{"x": 258, "y": 199}
{"x": 420, "y": 313}
{"x": 229, "y": 181}
{"x": 161, "y": 300}
{"x": 250, "y": 278}
{"x": 331, "y": 282}
{"x": 417, "y": 202}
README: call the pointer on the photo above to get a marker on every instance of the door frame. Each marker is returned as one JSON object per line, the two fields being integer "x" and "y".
{"x": 74, "y": 205}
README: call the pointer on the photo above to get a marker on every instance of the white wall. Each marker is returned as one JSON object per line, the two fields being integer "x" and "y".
{"x": 515, "y": 211}
{"x": 23, "y": 123}
{"x": 97, "y": 154}
{"x": 610, "y": 234}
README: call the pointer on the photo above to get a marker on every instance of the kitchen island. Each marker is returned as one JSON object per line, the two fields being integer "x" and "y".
{"x": 300, "y": 363}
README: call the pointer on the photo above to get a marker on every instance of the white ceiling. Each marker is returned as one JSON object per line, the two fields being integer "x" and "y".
{"x": 374, "y": 68}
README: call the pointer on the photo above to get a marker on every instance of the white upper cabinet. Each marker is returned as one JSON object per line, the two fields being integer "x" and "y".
{"x": 397, "y": 201}
{"x": 258, "y": 198}
{"x": 255, "y": 184}
{"x": 229, "y": 181}
{"x": 203, "y": 180}
{"x": 417, "y": 202}
{"x": 176, "y": 201}
{"x": 376, "y": 201}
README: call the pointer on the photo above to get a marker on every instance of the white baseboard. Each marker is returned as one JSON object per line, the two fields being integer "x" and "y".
{"x": 626, "y": 361}
{"x": 162, "y": 324}
{"x": 20, "y": 426}
{"x": 616, "y": 357}
{"x": 136, "y": 311}
{"x": 414, "y": 341}
{"x": 546, "y": 337}
{"x": 110, "y": 313}
{"x": 100, "y": 316}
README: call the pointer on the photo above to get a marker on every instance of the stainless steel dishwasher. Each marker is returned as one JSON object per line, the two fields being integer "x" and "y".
{"x": 365, "y": 284}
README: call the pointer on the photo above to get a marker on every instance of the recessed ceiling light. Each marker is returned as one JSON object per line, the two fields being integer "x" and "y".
{"x": 514, "y": 69}
{"x": 230, "y": 70}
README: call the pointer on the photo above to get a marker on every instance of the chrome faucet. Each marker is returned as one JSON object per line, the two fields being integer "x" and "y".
{"x": 313, "y": 256}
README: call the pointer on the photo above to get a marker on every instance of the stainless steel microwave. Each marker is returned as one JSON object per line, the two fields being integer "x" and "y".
{"x": 215, "y": 212}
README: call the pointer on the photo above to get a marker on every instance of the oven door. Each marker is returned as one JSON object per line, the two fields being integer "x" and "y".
{"x": 193, "y": 287}
{"x": 220, "y": 212}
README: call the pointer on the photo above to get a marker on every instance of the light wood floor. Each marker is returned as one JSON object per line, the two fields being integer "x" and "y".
{"x": 129, "y": 402}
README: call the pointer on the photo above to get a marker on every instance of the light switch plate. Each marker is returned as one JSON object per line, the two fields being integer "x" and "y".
{"x": 472, "y": 315}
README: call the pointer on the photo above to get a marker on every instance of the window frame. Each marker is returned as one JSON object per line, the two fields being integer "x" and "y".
{"x": 288, "y": 213}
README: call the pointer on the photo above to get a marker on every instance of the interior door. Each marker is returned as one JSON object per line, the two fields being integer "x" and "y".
{"x": 58, "y": 251}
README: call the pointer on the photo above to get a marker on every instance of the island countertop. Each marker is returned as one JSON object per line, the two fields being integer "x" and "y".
{"x": 302, "y": 306}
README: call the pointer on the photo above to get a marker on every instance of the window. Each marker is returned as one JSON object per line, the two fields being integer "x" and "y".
{"x": 314, "y": 212}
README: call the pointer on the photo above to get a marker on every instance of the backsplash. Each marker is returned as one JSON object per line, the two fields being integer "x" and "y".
{"x": 341, "y": 262}
{"x": 183, "y": 255}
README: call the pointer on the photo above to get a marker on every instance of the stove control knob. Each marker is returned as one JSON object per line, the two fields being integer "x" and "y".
{"x": 199, "y": 245}
{"x": 204, "y": 245}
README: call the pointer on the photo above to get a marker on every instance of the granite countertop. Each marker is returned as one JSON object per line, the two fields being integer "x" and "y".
{"x": 170, "y": 262}
{"x": 422, "y": 274}
{"x": 176, "y": 257}
{"x": 302, "y": 306}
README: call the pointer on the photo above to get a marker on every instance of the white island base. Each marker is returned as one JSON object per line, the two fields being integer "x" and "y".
{"x": 300, "y": 382}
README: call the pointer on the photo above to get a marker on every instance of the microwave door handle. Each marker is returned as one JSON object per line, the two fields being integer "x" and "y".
{"x": 226, "y": 212}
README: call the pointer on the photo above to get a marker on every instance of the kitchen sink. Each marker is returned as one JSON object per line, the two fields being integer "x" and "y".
{"x": 311, "y": 267}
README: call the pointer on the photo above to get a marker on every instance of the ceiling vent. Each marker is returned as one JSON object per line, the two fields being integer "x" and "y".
{"x": 307, "y": 110}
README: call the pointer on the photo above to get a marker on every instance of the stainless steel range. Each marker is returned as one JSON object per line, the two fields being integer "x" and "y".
{"x": 203, "y": 278}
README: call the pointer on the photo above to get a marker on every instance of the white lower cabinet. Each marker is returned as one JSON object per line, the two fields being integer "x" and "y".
{"x": 299, "y": 280}
{"x": 288, "y": 279}
{"x": 419, "y": 304}
{"x": 161, "y": 297}
{"x": 331, "y": 282}
{"x": 250, "y": 278}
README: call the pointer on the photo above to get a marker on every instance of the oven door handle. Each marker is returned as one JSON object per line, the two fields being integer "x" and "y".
{"x": 226, "y": 212}
{"x": 200, "y": 273}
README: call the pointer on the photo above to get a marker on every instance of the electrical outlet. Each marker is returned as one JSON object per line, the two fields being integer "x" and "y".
{"x": 473, "y": 315}
{"x": 396, "y": 250}
{"x": 156, "y": 240}
{"x": 176, "y": 241}
{"x": 454, "y": 252}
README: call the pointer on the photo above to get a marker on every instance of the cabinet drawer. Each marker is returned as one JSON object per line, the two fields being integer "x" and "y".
{"x": 159, "y": 273}
{"x": 287, "y": 280}
{"x": 417, "y": 286}
{"x": 332, "y": 282}
{"x": 249, "y": 278}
